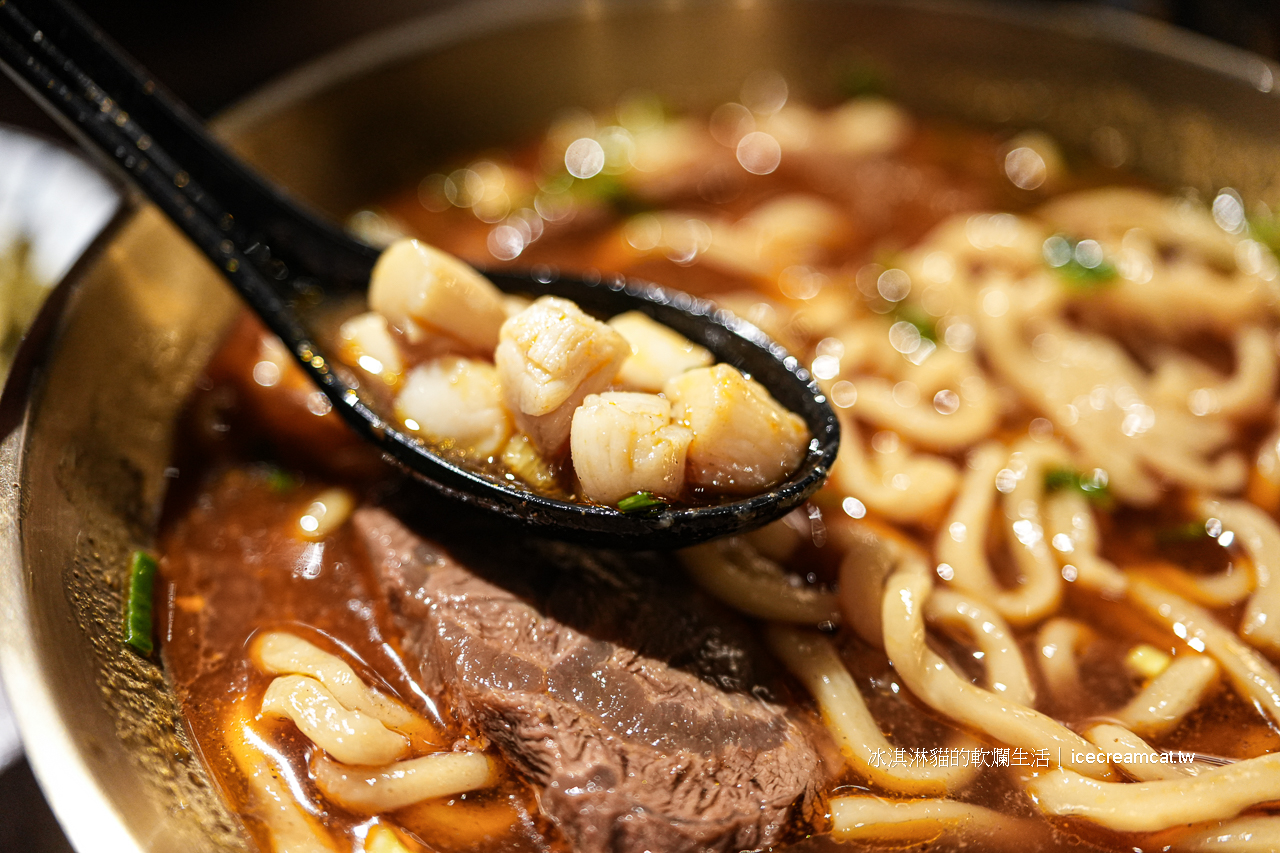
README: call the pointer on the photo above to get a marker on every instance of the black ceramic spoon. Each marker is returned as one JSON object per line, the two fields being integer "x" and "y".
{"x": 284, "y": 260}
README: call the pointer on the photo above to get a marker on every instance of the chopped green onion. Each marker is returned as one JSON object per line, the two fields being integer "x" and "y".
{"x": 137, "y": 609}
{"x": 859, "y": 79}
{"x": 610, "y": 190}
{"x": 1087, "y": 278}
{"x": 917, "y": 317}
{"x": 1182, "y": 533}
{"x": 1057, "y": 479}
{"x": 1266, "y": 230}
{"x": 280, "y": 480}
{"x": 1082, "y": 270}
{"x": 641, "y": 502}
{"x": 1093, "y": 486}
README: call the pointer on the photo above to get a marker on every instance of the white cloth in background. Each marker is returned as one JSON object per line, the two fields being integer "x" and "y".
{"x": 54, "y": 198}
{"x": 59, "y": 203}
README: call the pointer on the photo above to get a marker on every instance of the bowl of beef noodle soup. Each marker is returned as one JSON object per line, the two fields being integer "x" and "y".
{"x": 1030, "y": 259}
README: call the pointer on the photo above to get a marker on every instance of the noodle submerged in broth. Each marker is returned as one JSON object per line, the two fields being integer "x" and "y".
{"x": 1035, "y": 606}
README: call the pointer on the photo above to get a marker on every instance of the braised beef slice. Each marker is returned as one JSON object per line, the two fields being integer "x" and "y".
{"x": 636, "y": 704}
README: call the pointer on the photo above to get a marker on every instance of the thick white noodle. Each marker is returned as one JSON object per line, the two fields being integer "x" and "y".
{"x": 1189, "y": 296}
{"x": 1111, "y": 212}
{"x": 1137, "y": 425}
{"x": 870, "y": 559}
{"x": 777, "y": 540}
{"x": 1134, "y": 755}
{"x": 1170, "y": 696}
{"x": 1103, "y": 401}
{"x": 1258, "y": 534}
{"x": 1073, "y": 534}
{"x": 1003, "y": 241}
{"x": 1213, "y": 794}
{"x": 1143, "y": 427}
{"x": 961, "y": 542}
{"x": 1039, "y": 590}
{"x": 349, "y": 736}
{"x": 282, "y": 653}
{"x": 1252, "y": 676}
{"x": 1247, "y": 392}
{"x": 1187, "y": 292}
{"x": 900, "y": 485}
{"x": 1267, "y": 464}
{"x": 1224, "y": 589}
{"x": 326, "y": 513}
{"x": 970, "y": 620}
{"x": 813, "y": 660}
{"x": 1059, "y": 643}
{"x": 869, "y": 818}
{"x": 291, "y": 829}
{"x": 732, "y": 570}
{"x": 924, "y": 423}
{"x": 1252, "y": 834}
{"x": 936, "y": 684}
{"x": 1230, "y": 586}
{"x": 376, "y": 790}
{"x": 867, "y": 562}
{"x": 867, "y": 348}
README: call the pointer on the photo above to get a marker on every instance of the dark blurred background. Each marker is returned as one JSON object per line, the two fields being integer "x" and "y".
{"x": 212, "y": 53}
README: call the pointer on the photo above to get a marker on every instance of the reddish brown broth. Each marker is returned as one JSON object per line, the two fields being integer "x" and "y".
{"x": 233, "y": 565}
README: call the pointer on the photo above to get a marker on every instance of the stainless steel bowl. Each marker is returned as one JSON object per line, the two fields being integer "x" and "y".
{"x": 87, "y": 417}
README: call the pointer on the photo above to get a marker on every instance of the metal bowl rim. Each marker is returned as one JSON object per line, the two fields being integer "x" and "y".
{"x": 86, "y": 814}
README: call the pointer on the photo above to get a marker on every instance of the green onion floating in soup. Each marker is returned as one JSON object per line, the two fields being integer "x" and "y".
{"x": 138, "y": 628}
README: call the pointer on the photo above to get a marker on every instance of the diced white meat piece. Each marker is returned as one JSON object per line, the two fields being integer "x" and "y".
{"x": 793, "y": 126}
{"x": 789, "y": 228}
{"x": 366, "y": 340}
{"x": 783, "y": 231}
{"x": 456, "y": 403}
{"x": 658, "y": 354}
{"x": 376, "y": 227}
{"x": 866, "y": 127}
{"x": 670, "y": 157}
{"x": 551, "y": 356}
{"x": 420, "y": 289}
{"x": 521, "y": 459}
{"x": 743, "y": 439}
{"x": 623, "y": 443}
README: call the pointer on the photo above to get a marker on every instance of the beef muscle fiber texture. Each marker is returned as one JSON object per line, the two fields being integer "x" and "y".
{"x": 632, "y": 701}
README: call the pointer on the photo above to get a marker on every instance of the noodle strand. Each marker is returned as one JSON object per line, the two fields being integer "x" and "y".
{"x": 937, "y": 685}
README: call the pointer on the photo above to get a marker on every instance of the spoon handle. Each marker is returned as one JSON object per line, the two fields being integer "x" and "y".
{"x": 56, "y": 79}
{"x": 97, "y": 82}
{"x": 51, "y": 71}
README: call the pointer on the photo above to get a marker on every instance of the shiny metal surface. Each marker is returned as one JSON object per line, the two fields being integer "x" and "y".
{"x": 82, "y": 467}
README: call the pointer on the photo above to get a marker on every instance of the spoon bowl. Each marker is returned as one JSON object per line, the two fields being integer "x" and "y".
{"x": 284, "y": 261}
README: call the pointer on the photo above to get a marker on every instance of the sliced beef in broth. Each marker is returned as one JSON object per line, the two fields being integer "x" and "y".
{"x": 636, "y": 707}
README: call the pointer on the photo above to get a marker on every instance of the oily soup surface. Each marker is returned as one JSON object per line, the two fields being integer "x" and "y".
{"x": 1034, "y": 607}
